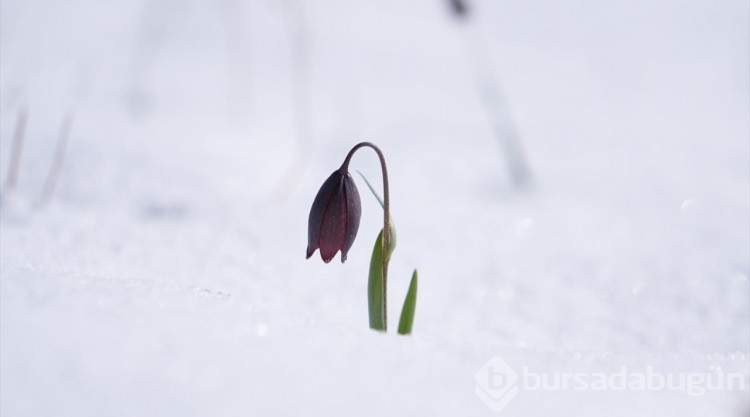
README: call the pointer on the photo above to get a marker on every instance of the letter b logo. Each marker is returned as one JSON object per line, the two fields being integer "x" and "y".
{"x": 496, "y": 383}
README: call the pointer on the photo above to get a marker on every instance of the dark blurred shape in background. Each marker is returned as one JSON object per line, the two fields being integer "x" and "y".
{"x": 459, "y": 8}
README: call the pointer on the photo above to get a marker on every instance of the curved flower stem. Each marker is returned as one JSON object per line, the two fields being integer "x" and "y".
{"x": 386, "y": 218}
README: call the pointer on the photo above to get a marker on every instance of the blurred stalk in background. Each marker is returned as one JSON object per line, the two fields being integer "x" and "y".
{"x": 492, "y": 95}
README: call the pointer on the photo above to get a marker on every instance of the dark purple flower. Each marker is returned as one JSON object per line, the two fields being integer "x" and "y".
{"x": 334, "y": 217}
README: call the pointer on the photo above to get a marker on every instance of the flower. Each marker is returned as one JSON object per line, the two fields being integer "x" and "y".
{"x": 334, "y": 217}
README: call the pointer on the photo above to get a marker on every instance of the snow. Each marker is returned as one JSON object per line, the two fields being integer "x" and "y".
{"x": 167, "y": 274}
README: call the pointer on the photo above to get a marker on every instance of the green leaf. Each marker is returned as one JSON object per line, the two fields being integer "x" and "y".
{"x": 375, "y": 301}
{"x": 372, "y": 190}
{"x": 375, "y": 295}
{"x": 410, "y": 305}
{"x": 375, "y": 292}
{"x": 392, "y": 239}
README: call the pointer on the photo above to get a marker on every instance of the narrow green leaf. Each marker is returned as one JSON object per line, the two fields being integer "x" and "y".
{"x": 392, "y": 240}
{"x": 375, "y": 299}
{"x": 372, "y": 190}
{"x": 375, "y": 292}
{"x": 376, "y": 303}
{"x": 410, "y": 304}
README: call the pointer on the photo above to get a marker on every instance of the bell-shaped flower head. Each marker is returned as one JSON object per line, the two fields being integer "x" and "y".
{"x": 334, "y": 217}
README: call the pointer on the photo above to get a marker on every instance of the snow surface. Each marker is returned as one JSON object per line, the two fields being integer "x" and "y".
{"x": 167, "y": 275}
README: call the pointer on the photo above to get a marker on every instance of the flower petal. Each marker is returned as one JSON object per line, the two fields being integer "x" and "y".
{"x": 318, "y": 210}
{"x": 353, "y": 211}
{"x": 333, "y": 225}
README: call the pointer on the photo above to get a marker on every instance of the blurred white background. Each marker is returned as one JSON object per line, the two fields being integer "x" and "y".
{"x": 165, "y": 273}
